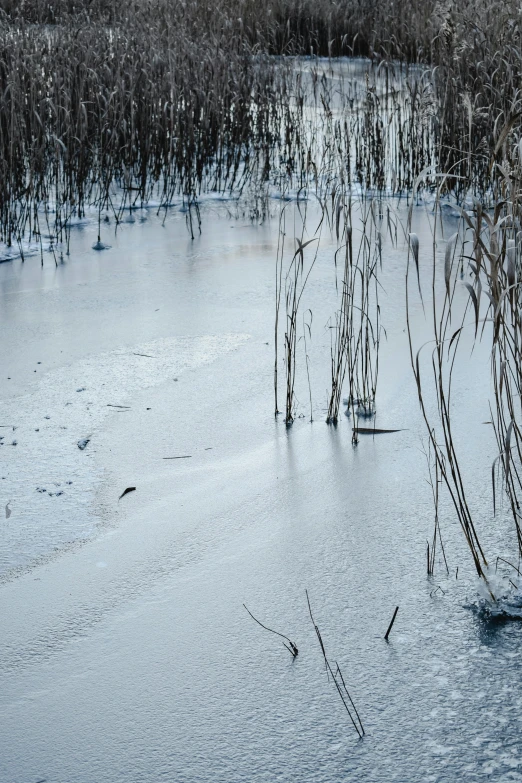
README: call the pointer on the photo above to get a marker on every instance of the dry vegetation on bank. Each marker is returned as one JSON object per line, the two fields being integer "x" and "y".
{"x": 179, "y": 97}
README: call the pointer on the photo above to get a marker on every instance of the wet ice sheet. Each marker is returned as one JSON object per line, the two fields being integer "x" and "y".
{"x": 48, "y": 439}
{"x": 132, "y": 658}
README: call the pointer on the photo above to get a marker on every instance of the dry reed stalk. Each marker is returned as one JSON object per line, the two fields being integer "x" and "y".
{"x": 338, "y": 679}
{"x": 291, "y": 647}
{"x": 446, "y": 338}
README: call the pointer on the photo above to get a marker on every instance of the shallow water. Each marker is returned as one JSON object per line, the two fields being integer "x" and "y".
{"x": 126, "y": 653}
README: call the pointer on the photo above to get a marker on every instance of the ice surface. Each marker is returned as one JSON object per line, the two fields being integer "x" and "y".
{"x": 49, "y": 449}
{"x": 131, "y": 657}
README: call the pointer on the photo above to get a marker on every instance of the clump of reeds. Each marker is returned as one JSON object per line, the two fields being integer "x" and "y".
{"x": 446, "y": 339}
{"x": 295, "y": 281}
{"x": 355, "y": 344}
{"x": 495, "y": 267}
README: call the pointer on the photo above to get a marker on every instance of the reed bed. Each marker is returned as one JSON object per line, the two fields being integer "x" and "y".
{"x": 484, "y": 256}
{"x": 106, "y": 106}
{"x": 102, "y": 118}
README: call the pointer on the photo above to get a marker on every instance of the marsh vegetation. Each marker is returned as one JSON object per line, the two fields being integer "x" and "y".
{"x": 373, "y": 154}
{"x": 364, "y": 110}
{"x": 106, "y": 108}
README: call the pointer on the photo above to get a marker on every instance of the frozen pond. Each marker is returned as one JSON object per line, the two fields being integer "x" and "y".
{"x": 126, "y": 654}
